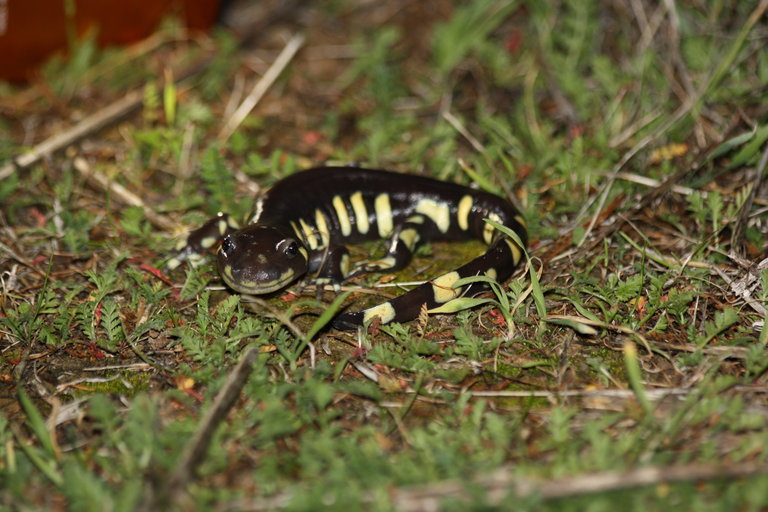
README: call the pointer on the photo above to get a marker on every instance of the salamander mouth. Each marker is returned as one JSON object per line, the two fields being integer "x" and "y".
{"x": 257, "y": 287}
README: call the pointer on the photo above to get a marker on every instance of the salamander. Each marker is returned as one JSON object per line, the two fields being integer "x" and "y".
{"x": 302, "y": 223}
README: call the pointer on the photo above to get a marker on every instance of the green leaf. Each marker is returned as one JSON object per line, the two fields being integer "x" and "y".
{"x": 460, "y": 304}
{"x": 326, "y": 316}
{"x": 635, "y": 377}
{"x": 169, "y": 101}
{"x": 731, "y": 144}
{"x": 582, "y": 327}
{"x": 110, "y": 320}
{"x": 752, "y": 149}
{"x": 723, "y": 320}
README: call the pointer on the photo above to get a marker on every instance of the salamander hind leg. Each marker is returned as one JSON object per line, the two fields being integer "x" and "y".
{"x": 439, "y": 293}
{"x": 403, "y": 308}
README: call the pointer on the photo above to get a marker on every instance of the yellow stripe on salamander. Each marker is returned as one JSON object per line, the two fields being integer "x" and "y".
{"x": 442, "y": 287}
{"x": 322, "y": 227}
{"x": 361, "y": 212}
{"x": 463, "y": 211}
{"x": 439, "y": 212}
{"x": 385, "y": 311}
{"x": 309, "y": 234}
{"x": 383, "y": 215}
{"x": 341, "y": 213}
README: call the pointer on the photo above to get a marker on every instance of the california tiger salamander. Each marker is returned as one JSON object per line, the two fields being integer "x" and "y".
{"x": 302, "y": 223}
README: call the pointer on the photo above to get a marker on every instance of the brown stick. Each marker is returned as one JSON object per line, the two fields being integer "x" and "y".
{"x": 261, "y": 87}
{"x": 121, "y": 193}
{"x": 103, "y": 118}
{"x": 173, "y": 490}
{"x": 505, "y": 483}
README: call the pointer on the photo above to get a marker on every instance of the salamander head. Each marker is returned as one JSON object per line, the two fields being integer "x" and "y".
{"x": 261, "y": 259}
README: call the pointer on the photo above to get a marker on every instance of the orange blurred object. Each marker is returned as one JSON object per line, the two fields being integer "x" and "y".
{"x": 33, "y": 30}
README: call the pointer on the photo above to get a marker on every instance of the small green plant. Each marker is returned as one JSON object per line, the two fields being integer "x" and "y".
{"x": 43, "y": 318}
{"x": 723, "y": 320}
{"x": 65, "y": 75}
{"x": 211, "y": 341}
{"x": 468, "y": 30}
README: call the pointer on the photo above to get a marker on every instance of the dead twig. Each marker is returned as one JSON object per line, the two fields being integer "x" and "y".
{"x": 261, "y": 87}
{"x": 121, "y": 193}
{"x": 173, "y": 490}
{"x": 103, "y": 118}
{"x": 505, "y": 483}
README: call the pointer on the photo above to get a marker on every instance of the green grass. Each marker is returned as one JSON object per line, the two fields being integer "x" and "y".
{"x": 630, "y": 342}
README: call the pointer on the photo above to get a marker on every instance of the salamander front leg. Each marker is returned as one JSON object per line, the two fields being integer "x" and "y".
{"x": 330, "y": 266}
{"x": 401, "y": 248}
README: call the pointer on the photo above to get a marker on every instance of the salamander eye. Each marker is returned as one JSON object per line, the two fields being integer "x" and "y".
{"x": 227, "y": 245}
{"x": 290, "y": 248}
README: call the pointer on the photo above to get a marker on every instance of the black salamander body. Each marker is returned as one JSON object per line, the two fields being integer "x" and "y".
{"x": 303, "y": 222}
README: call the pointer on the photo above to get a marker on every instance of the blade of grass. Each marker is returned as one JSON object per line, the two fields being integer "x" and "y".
{"x": 635, "y": 377}
{"x": 538, "y": 294}
{"x": 37, "y": 424}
